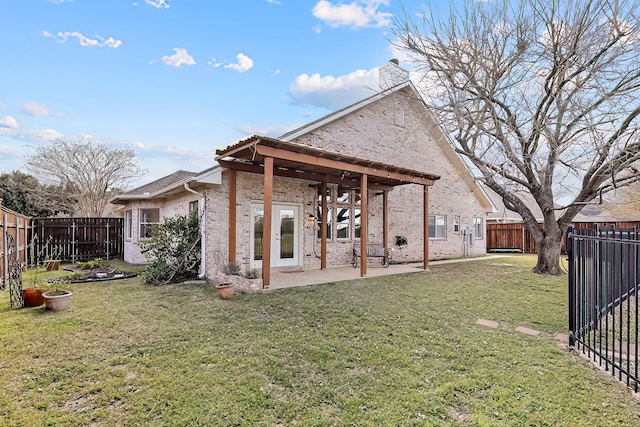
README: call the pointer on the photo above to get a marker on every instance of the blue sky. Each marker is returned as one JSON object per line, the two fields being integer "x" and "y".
{"x": 176, "y": 79}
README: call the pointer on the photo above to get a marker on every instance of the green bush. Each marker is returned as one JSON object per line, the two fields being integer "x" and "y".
{"x": 173, "y": 249}
{"x": 232, "y": 269}
{"x": 252, "y": 273}
{"x": 94, "y": 263}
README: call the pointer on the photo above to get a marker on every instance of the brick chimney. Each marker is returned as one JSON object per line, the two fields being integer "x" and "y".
{"x": 391, "y": 74}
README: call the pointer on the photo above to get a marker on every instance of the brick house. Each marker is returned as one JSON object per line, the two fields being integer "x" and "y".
{"x": 416, "y": 186}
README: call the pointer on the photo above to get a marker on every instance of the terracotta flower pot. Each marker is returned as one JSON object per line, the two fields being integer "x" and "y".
{"x": 32, "y": 297}
{"x": 57, "y": 300}
{"x": 225, "y": 290}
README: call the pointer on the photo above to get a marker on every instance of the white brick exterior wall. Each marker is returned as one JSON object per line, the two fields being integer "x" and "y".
{"x": 168, "y": 208}
{"x": 395, "y": 129}
{"x": 372, "y": 133}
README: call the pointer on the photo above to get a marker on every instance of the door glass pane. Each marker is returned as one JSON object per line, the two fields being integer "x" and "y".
{"x": 258, "y": 221}
{"x": 287, "y": 221}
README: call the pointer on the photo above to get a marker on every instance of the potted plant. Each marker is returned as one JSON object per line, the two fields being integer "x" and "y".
{"x": 225, "y": 290}
{"x": 32, "y": 293}
{"x": 56, "y": 298}
{"x": 32, "y": 297}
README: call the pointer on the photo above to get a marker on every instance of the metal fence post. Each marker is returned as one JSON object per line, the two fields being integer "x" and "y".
{"x": 73, "y": 242}
{"x": 572, "y": 287}
{"x": 107, "y": 242}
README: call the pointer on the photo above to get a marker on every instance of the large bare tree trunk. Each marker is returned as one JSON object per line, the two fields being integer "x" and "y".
{"x": 549, "y": 249}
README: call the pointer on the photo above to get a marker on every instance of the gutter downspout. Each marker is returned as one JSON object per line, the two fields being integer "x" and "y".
{"x": 201, "y": 212}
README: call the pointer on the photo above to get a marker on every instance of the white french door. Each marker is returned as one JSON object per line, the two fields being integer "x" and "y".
{"x": 285, "y": 235}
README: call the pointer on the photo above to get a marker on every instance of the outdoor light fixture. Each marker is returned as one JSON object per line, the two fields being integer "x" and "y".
{"x": 311, "y": 220}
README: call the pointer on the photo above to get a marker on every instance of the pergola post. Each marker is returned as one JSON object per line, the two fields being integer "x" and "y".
{"x": 266, "y": 226}
{"x": 426, "y": 227}
{"x": 364, "y": 196}
{"x": 323, "y": 227}
{"x": 232, "y": 215}
{"x": 385, "y": 223}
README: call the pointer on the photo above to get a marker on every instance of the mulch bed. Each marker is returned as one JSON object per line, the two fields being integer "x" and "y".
{"x": 100, "y": 274}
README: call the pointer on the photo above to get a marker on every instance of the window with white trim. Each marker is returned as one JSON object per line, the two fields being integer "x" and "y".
{"x": 437, "y": 226}
{"x": 147, "y": 218}
{"x": 478, "y": 227}
{"x": 343, "y": 210}
{"x": 193, "y": 206}
{"x": 456, "y": 224}
{"x": 128, "y": 224}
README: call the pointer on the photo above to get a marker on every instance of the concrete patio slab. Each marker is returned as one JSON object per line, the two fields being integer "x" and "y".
{"x": 296, "y": 278}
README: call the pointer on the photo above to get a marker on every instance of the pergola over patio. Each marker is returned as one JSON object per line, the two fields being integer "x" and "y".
{"x": 274, "y": 157}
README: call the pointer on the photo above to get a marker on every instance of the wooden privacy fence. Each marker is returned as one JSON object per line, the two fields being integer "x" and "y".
{"x": 516, "y": 237}
{"x": 78, "y": 239}
{"x": 17, "y": 226}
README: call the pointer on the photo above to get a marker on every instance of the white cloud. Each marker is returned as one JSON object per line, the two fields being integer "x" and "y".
{"x": 38, "y": 110}
{"x": 214, "y": 63}
{"x": 358, "y": 14}
{"x": 84, "y": 40}
{"x": 279, "y": 3}
{"x": 159, "y": 4}
{"x": 334, "y": 92}
{"x": 58, "y": 1}
{"x": 8, "y": 122}
{"x": 181, "y": 57}
{"x": 244, "y": 63}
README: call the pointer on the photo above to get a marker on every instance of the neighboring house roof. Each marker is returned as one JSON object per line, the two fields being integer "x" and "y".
{"x": 170, "y": 185}
{"x": 502, "y": 214}
{"x": 593, "y": 212}
{"x": 443, "y": 140}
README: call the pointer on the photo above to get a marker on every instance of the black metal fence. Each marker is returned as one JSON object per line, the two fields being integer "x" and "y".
{"x": 604, "y": 279}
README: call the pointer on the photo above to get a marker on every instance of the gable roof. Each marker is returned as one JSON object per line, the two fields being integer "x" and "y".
{"x": 171, "y": 184}
{"x": 441, "y": 139}
{"x": 331, "y": 117}
{"x": 159, "y": 184}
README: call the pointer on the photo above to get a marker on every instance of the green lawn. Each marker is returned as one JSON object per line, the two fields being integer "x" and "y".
{"x": 397, "y": 350}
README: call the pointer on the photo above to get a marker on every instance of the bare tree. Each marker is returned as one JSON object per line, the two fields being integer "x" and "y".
{"x": 92, "y": 169}
{"x": 538, "y": 94}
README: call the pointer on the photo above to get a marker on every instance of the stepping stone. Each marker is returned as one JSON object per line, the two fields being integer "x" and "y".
{"x": 487, "y": 323}
{"x": 563, "y": 338}
{"x": 528, "y": 331}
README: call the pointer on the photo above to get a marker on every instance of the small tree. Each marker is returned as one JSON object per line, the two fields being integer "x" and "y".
{"x": 92, "y": 170}
{"x": 173, "y": 249}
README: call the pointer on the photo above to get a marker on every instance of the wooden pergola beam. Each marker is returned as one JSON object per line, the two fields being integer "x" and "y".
{"x": 307, "y": 176}
{"x": 338, "y": 165}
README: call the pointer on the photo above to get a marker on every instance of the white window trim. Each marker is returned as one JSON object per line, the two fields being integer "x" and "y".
{"x": 140, "y": 223}
{"x": 128, "y": 224}
{"x": 435, "y": 227}
{"x": 477, "y": 235}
